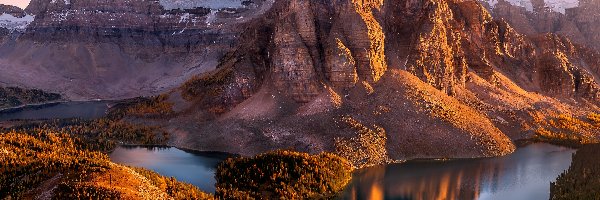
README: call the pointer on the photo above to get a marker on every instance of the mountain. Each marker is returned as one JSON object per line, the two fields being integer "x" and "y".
{"x": 117, "y": 49}
{"x": 372, "y": 80}
{"x": 438, "y": 78}
{"x": 576, "y": 19}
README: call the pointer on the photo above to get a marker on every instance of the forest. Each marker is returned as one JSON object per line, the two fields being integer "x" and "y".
{"x": 14, "y": 96}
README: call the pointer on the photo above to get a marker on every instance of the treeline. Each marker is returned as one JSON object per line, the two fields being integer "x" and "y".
{"x": 31, "y": 160}
{"x": 569, "y": 130}
{"x": 582, "y": 179}
{"x": 101, "y": 134}
{"x": 283, "y": 175}
{"x": 174, "y": 188}
{"x": 34, "y": 152}
{"x": 142, "y": 107}
{"x": 13, "y": 96}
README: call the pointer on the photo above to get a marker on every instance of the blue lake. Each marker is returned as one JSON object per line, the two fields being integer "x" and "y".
{"x": 187, "y": 166}
{"x": 523, "y": 175}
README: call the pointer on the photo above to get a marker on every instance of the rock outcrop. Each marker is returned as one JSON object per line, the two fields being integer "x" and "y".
{"x": 427, "y": 73}
{"x": 439, "y": 44}
{"x": 12, "y": 10}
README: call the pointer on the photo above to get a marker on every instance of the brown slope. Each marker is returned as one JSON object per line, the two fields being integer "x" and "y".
{"x": 454, "y": 77}
{"x": 91, "y": 49}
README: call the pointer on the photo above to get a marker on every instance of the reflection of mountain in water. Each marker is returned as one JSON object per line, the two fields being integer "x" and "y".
{"x": 525, "y": 174}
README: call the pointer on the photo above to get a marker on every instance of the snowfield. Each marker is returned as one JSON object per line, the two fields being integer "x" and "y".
{"x": 15, "y": 23}
{"x": 189, "y": 4}
{"x": 554, "y": 5}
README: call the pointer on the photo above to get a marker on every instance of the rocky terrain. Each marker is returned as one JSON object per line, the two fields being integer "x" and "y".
{"x": 117, "y": 49}
{"x": 12, "y": 97}
{"x": 437, "y": 78}
{"x": 373, "y": 80}
{"x": 576, "y": 19}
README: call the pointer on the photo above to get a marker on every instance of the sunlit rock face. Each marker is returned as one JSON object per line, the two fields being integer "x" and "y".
{"x": 312, "y": 43}
{"x": 349, "y": 42}
{"x": 429, "y": 72}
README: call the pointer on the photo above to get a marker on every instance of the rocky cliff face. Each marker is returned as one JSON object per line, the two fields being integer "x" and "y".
{"x": 140, "y": 47}
{"x": 424, "y": 73}
{"x": 576, "y": 19}
{"x": 437, "y": 42}
{"x": 12, "y": 10}
{"x": 401, "y": 78}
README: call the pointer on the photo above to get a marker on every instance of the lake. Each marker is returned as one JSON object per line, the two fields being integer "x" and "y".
{"x": 191, "y": 167}
{"x": 526, "y": 174}
{"x": 64, "y": 110}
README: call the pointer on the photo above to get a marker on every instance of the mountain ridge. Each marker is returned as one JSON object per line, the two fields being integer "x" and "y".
{"x": 315, "y": 75}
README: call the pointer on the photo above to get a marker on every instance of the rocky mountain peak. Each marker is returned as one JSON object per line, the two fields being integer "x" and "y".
{"x": 12, "y": 10}
{"x": 284, "y": 72}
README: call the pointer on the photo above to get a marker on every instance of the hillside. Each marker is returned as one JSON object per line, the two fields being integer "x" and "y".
{"x": 117, "y": 49}
{"x": 411, "y": 77}
{"x": 50, "y": 165}
{"x": 576, "y": 19}
{"x": 397, "y": 79}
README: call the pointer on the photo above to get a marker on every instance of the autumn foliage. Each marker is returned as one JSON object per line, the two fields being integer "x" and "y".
{"x": 582, "y": 179}
{"x": 367, "y": 148}
{"x": 283, "y": 174}
{"x": 29, "y": 159}
{"x": 174, "y": 188}
{"x": 569, "y": 130}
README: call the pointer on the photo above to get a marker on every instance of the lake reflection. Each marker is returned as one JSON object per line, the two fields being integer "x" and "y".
{"x": 190, "y": 167}
{"x": 526, "y": 175}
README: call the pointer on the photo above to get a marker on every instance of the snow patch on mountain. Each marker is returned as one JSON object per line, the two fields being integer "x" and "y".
{"x": 521, "y": 3}
{"x": 67, "y": 2}
{"x": 555, "y": 5}
{"x": 15, "y": 23}
{"x": 189, "y": 4}
{"x": 561, "y": 5}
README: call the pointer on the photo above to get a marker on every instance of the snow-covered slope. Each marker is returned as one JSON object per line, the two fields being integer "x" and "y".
{"x": 15, "y": 23}
{"x": 521, "y": 3}
{"x": 561, "y": 5}
{"x": 212, "y": 4}
{"x": 554, "y": 5}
